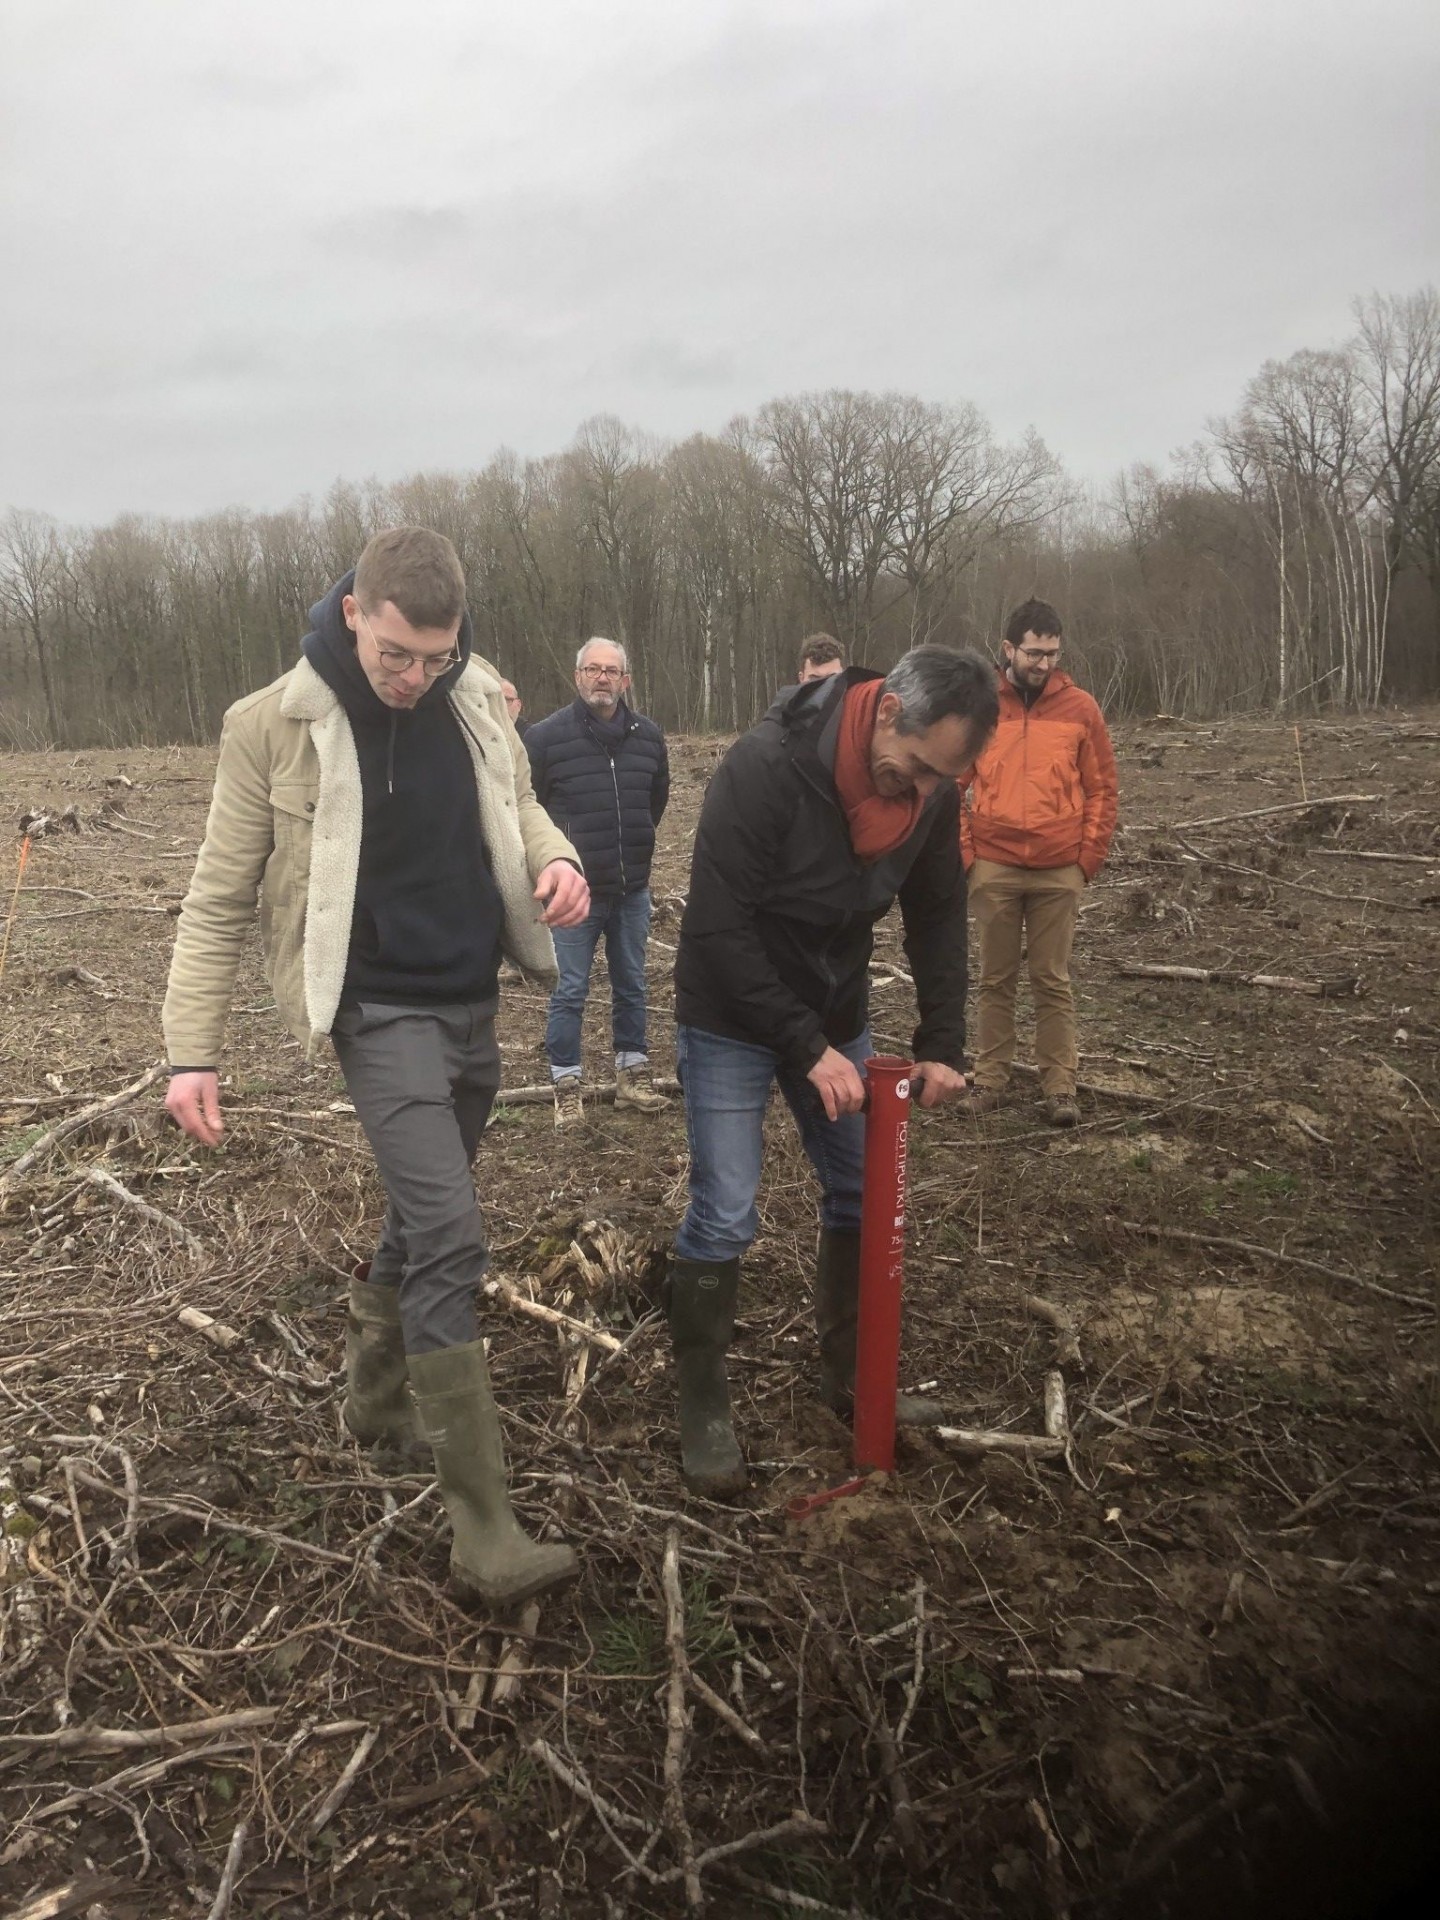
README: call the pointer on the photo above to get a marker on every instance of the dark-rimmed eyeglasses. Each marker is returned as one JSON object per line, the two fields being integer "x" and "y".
{"x": 397, "y": 660}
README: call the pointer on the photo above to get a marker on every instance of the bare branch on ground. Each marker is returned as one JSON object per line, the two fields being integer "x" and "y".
{"x": 72, "y": 1124}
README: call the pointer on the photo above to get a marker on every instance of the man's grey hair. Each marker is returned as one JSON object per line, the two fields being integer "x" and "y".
{"x": 931, "y": 683}
{"x": 599, "y": 640}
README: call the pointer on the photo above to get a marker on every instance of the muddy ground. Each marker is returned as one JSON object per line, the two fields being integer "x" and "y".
{"x": 1189, "y": 1667}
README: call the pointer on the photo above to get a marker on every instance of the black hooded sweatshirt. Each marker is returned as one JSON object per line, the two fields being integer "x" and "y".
{"x": 428, "y": 915}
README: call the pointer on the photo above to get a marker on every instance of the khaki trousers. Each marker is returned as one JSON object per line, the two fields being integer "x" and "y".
{"x": 1042, "y": 904}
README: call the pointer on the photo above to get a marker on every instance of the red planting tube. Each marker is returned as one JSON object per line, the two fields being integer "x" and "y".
{"x": 882, "y": 1261}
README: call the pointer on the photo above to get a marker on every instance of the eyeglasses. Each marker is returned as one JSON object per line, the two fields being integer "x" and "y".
{"x": 1037, "y": 655}
{"x": 603, "y": 673}
{"x": 396, "y": 660}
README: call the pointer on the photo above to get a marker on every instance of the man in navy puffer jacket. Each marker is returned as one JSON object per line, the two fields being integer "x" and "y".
{"x": 602, "y": 774}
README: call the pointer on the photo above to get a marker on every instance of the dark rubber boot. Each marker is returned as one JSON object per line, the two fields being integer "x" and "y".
{"x": 837, "y": 1314}
{"x": 492, "y": 1560}
{"x": 377, "y": 1407}
{"x": 700, "y": 1295}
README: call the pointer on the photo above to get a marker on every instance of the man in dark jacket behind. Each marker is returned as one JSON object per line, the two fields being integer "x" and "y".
{"x": 515, "y": 707}
{"x": 842, "y": 798}
{"x": 602, "y": 774}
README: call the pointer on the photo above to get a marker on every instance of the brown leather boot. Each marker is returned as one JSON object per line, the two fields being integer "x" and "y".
{"x": 635, "y": 1087}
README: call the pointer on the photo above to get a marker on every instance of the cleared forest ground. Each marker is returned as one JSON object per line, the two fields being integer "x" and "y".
{"x": 1191, "y": 1667}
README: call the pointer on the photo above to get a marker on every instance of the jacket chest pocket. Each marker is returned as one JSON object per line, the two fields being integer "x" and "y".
{"x": 293, "y": 803}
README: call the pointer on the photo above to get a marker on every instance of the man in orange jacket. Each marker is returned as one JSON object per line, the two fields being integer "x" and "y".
{"x": 1042, "y": 803}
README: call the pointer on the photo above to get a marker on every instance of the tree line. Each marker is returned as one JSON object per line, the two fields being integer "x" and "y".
{"x": 1290, "y": 559}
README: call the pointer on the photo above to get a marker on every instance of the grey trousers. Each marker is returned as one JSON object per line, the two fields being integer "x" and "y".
{"x": 423, "y": 1080}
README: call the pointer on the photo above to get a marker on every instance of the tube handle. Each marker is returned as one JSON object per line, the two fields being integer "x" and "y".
{"x": 917, "y": 1087}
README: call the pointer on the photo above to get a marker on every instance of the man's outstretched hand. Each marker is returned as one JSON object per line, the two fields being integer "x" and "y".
{"x": 193, "y": 1103}
{"x": 938, "y": 1083}
{"x": 564, "y": 895}
{"x": 841, "y": 1087}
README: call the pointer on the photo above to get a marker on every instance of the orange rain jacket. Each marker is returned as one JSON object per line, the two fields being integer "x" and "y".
{"x": 1044, "y": 792}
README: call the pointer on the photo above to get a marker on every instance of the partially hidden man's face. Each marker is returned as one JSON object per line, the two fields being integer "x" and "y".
{"x": 601, "y": 679}
{"x": 1033, "y": 661}
{"x": 513, "y": 702}
{"x": 394, "y": 656}
{"x": 819, "y": 670}
{"x": 906, "y": 763}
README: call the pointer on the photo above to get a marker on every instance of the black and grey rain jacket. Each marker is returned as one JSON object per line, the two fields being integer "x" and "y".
{"x": 777, "y": 934}
{"x": 605, "y": 797}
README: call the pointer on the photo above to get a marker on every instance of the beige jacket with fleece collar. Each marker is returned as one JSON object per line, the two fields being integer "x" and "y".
{"x": 284, "y": 827}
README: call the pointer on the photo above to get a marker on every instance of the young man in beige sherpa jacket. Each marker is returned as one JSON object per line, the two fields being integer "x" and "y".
{"x": 377, "y": 801}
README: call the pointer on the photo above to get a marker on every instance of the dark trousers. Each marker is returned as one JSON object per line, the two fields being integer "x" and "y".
{"x": 423, "y": 1080}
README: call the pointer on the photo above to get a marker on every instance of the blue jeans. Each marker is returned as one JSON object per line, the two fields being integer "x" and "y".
{"x": 625, "y": 923}
{"x": 727, "y": 1085}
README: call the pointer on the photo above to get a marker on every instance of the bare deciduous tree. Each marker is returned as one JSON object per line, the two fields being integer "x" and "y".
{"x": 32, "y": 565}
{"x": 1293, "y": 556}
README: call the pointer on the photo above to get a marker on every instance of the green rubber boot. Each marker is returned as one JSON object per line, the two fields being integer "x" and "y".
{"x": 492, "y": 1560}
{"x": 377, "y": 1407}
{"x": 837, "y": 1315}
{"x": 700, "y": 1297}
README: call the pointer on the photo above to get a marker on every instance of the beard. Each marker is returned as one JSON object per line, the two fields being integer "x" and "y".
{"x": 1020, "y": 678}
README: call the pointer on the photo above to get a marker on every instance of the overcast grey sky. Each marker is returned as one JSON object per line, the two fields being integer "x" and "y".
{"x": 250, "y": 249}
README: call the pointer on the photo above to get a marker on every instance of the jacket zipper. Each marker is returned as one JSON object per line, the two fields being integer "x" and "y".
{"x": 828, "y": 795}
{"x": 831, "y": 984}
{"x": 619, "y": 822}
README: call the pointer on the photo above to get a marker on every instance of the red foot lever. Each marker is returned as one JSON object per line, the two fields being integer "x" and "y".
{"x": 808, "y": 1502}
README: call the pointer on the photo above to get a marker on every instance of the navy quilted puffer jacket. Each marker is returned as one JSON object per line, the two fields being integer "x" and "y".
{"x": 606, "y": 799}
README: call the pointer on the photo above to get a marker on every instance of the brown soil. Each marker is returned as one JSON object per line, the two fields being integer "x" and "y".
{"x": 1194, "y": 1669}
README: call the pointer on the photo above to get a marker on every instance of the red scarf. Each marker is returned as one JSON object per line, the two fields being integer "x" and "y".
{"x": 877, "y": 825}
